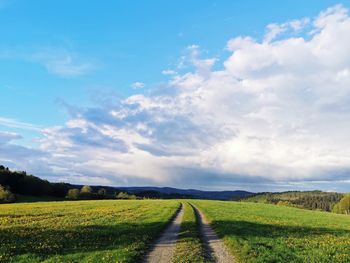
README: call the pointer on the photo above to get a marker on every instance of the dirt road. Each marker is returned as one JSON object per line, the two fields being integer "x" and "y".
{"x": 213, "y": 244}
{"x": 164, "y": 247}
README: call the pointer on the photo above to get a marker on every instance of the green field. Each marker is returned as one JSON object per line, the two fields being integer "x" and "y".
{"x": 81, "y": 231}
{"x": 122, "y": 231}
{"x": 269, "y": 233}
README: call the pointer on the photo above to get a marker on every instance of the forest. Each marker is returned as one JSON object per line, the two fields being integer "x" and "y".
{"x": 18, "y": 185}
{"x": 314, "y": 200}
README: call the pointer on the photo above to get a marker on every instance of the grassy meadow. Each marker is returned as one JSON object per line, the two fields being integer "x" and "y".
{"x": 81, "y": 231}
{"x": 122, "y": 231}
{"x": 269, "y": 233}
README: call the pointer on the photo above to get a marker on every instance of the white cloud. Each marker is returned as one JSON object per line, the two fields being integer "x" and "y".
{"x": 169, "y": 72}
{"x": 274, "y": 30}
{"x": 277, "y": 113}
{"x": 16, "y": 156}
{"x": 6, "y": 137}
{"x": 57, "y": 61}
{"x": 192, "y": 58}
{"x": 138, "y": 85}
{"x": 62, "y": 62}
{"x": 8, "y": 122}
{"x": 334, "y": 15}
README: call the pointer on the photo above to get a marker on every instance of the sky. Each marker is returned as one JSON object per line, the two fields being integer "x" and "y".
{"x": 213, "y": 95}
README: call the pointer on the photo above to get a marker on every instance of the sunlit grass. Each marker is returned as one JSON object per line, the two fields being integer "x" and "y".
{"x": 269, "y": 233}
{"x": 82, "y": 231}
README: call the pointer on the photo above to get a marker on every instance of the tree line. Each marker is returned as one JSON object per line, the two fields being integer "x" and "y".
{"x": 20, "y": 182}
{"x": 14, "y": 183}
{"x": 313, "y": 200}
{"x": 87, "y": 193}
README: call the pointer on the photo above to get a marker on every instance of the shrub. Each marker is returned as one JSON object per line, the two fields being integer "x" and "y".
{"x": 86, "y": 190}
{"x": 124, "y": 195}
{"x": 102, "y": 192}
{"x": 73, "y": 194}
{"x": 6, "y": 196}
{"x": 343, "y": 207}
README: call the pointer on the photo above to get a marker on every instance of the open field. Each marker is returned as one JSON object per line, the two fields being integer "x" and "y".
{"x": 269, "y": 233}
{"x": 82, "y": 231}
{"x": 122, "y": 231}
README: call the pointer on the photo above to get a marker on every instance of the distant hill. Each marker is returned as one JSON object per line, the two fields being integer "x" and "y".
{"x": 198, "y": 194}
{"x": 27, "y": 186}
{"x": 314, "y": 200}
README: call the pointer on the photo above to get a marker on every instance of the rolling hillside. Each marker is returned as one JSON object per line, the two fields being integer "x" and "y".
{"x": 214, "y": 195}
{"x": 314, "y": 200}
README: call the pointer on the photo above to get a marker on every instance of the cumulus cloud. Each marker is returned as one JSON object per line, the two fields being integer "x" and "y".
{"x": 274, "y": 30}
{"x": 16, "y": 156}
{"x": 275, "y": 113}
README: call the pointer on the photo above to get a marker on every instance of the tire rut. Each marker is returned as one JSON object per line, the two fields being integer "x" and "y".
{"x": 215, "y": 248}
{"x": 164, "y": 248}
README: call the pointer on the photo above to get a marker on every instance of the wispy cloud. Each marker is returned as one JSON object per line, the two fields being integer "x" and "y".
{"x": 58, "y": 61}
{"x": 8, "y": 122}
{"x": 274, "y": 30}
{"x": 62, "y": 62}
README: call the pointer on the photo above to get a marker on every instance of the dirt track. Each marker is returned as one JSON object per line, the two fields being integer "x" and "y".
{"x": 214, "y": 245}
{"x": 164, "y": 247}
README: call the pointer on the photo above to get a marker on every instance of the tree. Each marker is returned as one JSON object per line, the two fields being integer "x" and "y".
{"x": 343, "y": 207}
{"x": 86, "y": 190}
{"x": 73, "y": 194}
{"x": 102, "y": 192}
{"x": 6, "y": 196}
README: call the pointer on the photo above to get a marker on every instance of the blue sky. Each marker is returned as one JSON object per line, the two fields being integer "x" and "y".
{"x": 123, "y": 41}
{"x": 67, "y": 67}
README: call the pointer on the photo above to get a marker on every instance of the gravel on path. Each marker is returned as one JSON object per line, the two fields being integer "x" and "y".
{"x": 164, "y": 248}
{"x": 214, "y": 245}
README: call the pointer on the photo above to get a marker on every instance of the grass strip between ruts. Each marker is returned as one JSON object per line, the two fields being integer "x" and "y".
{"x": 189, "y": 245}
